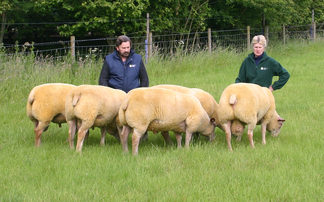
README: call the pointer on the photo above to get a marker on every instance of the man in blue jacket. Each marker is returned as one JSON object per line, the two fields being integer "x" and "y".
{"x": 123, "y": 69}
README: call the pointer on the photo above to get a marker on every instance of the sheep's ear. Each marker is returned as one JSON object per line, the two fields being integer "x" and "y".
{"x": 281, "y": 119}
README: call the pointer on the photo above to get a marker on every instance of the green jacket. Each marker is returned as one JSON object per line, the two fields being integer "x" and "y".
{"x": 262, "y": 73}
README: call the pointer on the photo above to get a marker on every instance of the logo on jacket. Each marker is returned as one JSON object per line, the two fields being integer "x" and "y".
{"x": 132, "y": 65}
{"x": 264, "y": 68}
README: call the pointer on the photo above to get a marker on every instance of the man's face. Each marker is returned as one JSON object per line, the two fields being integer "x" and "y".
{"x": 124, "y": 49}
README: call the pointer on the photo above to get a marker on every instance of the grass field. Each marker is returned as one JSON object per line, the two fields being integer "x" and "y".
{"x": 289, "y": 167}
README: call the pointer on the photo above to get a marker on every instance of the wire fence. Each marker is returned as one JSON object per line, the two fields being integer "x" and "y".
{"x": 165, "y": 44}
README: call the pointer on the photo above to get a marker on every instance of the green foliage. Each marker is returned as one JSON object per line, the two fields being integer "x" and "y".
{"x": 178, "y": 16}
{"x": 242, "y": 13}
{"x": 288, "y": 168}
{"x": 113, "y": 18}
{"x": 104, "y": 17}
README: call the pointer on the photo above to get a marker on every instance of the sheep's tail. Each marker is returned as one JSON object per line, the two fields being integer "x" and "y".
{"x": 31, "y": 97}
{"x": 125, "y": 104}
{"x": 121, "y": 114}
{"x": 75, "y": 99}
{"x": 233, "y": 101}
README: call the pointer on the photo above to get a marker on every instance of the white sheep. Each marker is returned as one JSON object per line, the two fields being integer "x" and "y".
{"x": 89, "y": 106}
{"x": 245, "y": 103}
{"x": 206, "y": 99}
{"x": 46, "y": 104}
{"x": 157, "y": 109}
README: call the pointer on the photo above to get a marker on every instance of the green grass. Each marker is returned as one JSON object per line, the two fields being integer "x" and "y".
{"x": 289, "y": 167}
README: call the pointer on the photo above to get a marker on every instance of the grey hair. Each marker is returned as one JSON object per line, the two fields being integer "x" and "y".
{"x": 259, "y": 39}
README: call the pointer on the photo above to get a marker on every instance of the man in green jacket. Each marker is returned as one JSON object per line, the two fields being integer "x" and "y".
{"x": 259, "y": 68}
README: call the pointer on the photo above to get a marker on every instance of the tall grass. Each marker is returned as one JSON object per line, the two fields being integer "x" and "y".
{"x": 288, "y": 168}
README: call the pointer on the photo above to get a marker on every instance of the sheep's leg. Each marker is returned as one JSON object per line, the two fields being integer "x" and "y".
{"x": 72, "y": 130}
{"x": 103, "y": 135}
{"x": 250, "y": 134}
{"x": 81, "y": 134}
{"x": 118, "y": 134}
{"x": 124, "y": 137}
{"x": 251, "y": 127}
{"x": 35, "y": 123}
{"x": 87, "y": 135}
{"x": 188, "y": 139}
{"x": 263, "y": 132}
{"x": 166, "y": 137}
{"x": 38, "y": 132}
{"x": 239, "y": 138}
{"x": 227, "y": 128}
{"x": 179, "y": 139}
{"x": 135, "y": 141}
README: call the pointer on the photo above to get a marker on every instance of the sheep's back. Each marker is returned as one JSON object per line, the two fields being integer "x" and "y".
{"x": 168, "y": 107}
{"x": 252, "y": 102}
{"x": 96, "y": 101}
{"x": 48, "y": 100}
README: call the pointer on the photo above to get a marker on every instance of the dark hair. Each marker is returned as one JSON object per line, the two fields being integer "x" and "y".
{"x": 122, "y": 39}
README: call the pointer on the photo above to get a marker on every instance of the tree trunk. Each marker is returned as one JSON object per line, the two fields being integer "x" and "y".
{"x": 3, "y": 26}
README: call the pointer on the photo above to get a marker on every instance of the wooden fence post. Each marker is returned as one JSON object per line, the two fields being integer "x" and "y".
{"x": 248, "y": 40}
{"x": 284, "y": 33}
{"x": 150, "y": 44}
{"x": 314, "y": 31}
{"x": 147, "y": 36}
{"x": 72, "y": 39}
{"x": 266, "y": 33}
{"x": 209, "y": 40}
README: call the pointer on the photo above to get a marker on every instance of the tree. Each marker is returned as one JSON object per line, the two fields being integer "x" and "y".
{"x": 229, "y": 14}
{"x": 179, "y": 15}
{"x": 12, "y": 11}
{"x": 103, "y": 17}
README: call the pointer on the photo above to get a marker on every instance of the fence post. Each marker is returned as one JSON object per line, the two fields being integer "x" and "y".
{"x": 209, "y": 40}
{"x": 147, "y": 36}
{"x": 150, "y": 44}
{"x": 312, "y": 26}
{"x": 72, "y": 39}
{"x": 266, "y": 33}
{"x": 314, "y": 31}
{"x": 284, "y": 33}
{"x": 248, "y": 37}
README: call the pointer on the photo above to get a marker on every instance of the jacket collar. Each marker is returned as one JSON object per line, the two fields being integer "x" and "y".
{"x": 264, "y": 56}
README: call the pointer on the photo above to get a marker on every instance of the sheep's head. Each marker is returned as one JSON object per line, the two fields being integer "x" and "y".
{"x": 210, "y": 131}
{"x": 275, "y": 125}
{"x": 237, "y": 127}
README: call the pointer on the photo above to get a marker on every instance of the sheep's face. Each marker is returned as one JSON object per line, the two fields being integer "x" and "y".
{"x": 210, "y": 131}
{"x": 237, "y": 128}
{"x": 212, "y": 136}
{"x": 275, "y": 125}
{"x": 117, "y": 136}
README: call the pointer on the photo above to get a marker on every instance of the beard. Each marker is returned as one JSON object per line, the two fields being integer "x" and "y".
{"x": 124, "y": 54}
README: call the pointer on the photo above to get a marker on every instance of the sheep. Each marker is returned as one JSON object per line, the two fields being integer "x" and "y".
{"x": 157, "y": 109}
{"x": 46, "y": 104}
{"x": 89, "y": 106}
{"x": 207, "y": 101}
{"x": 245, "y": 103}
